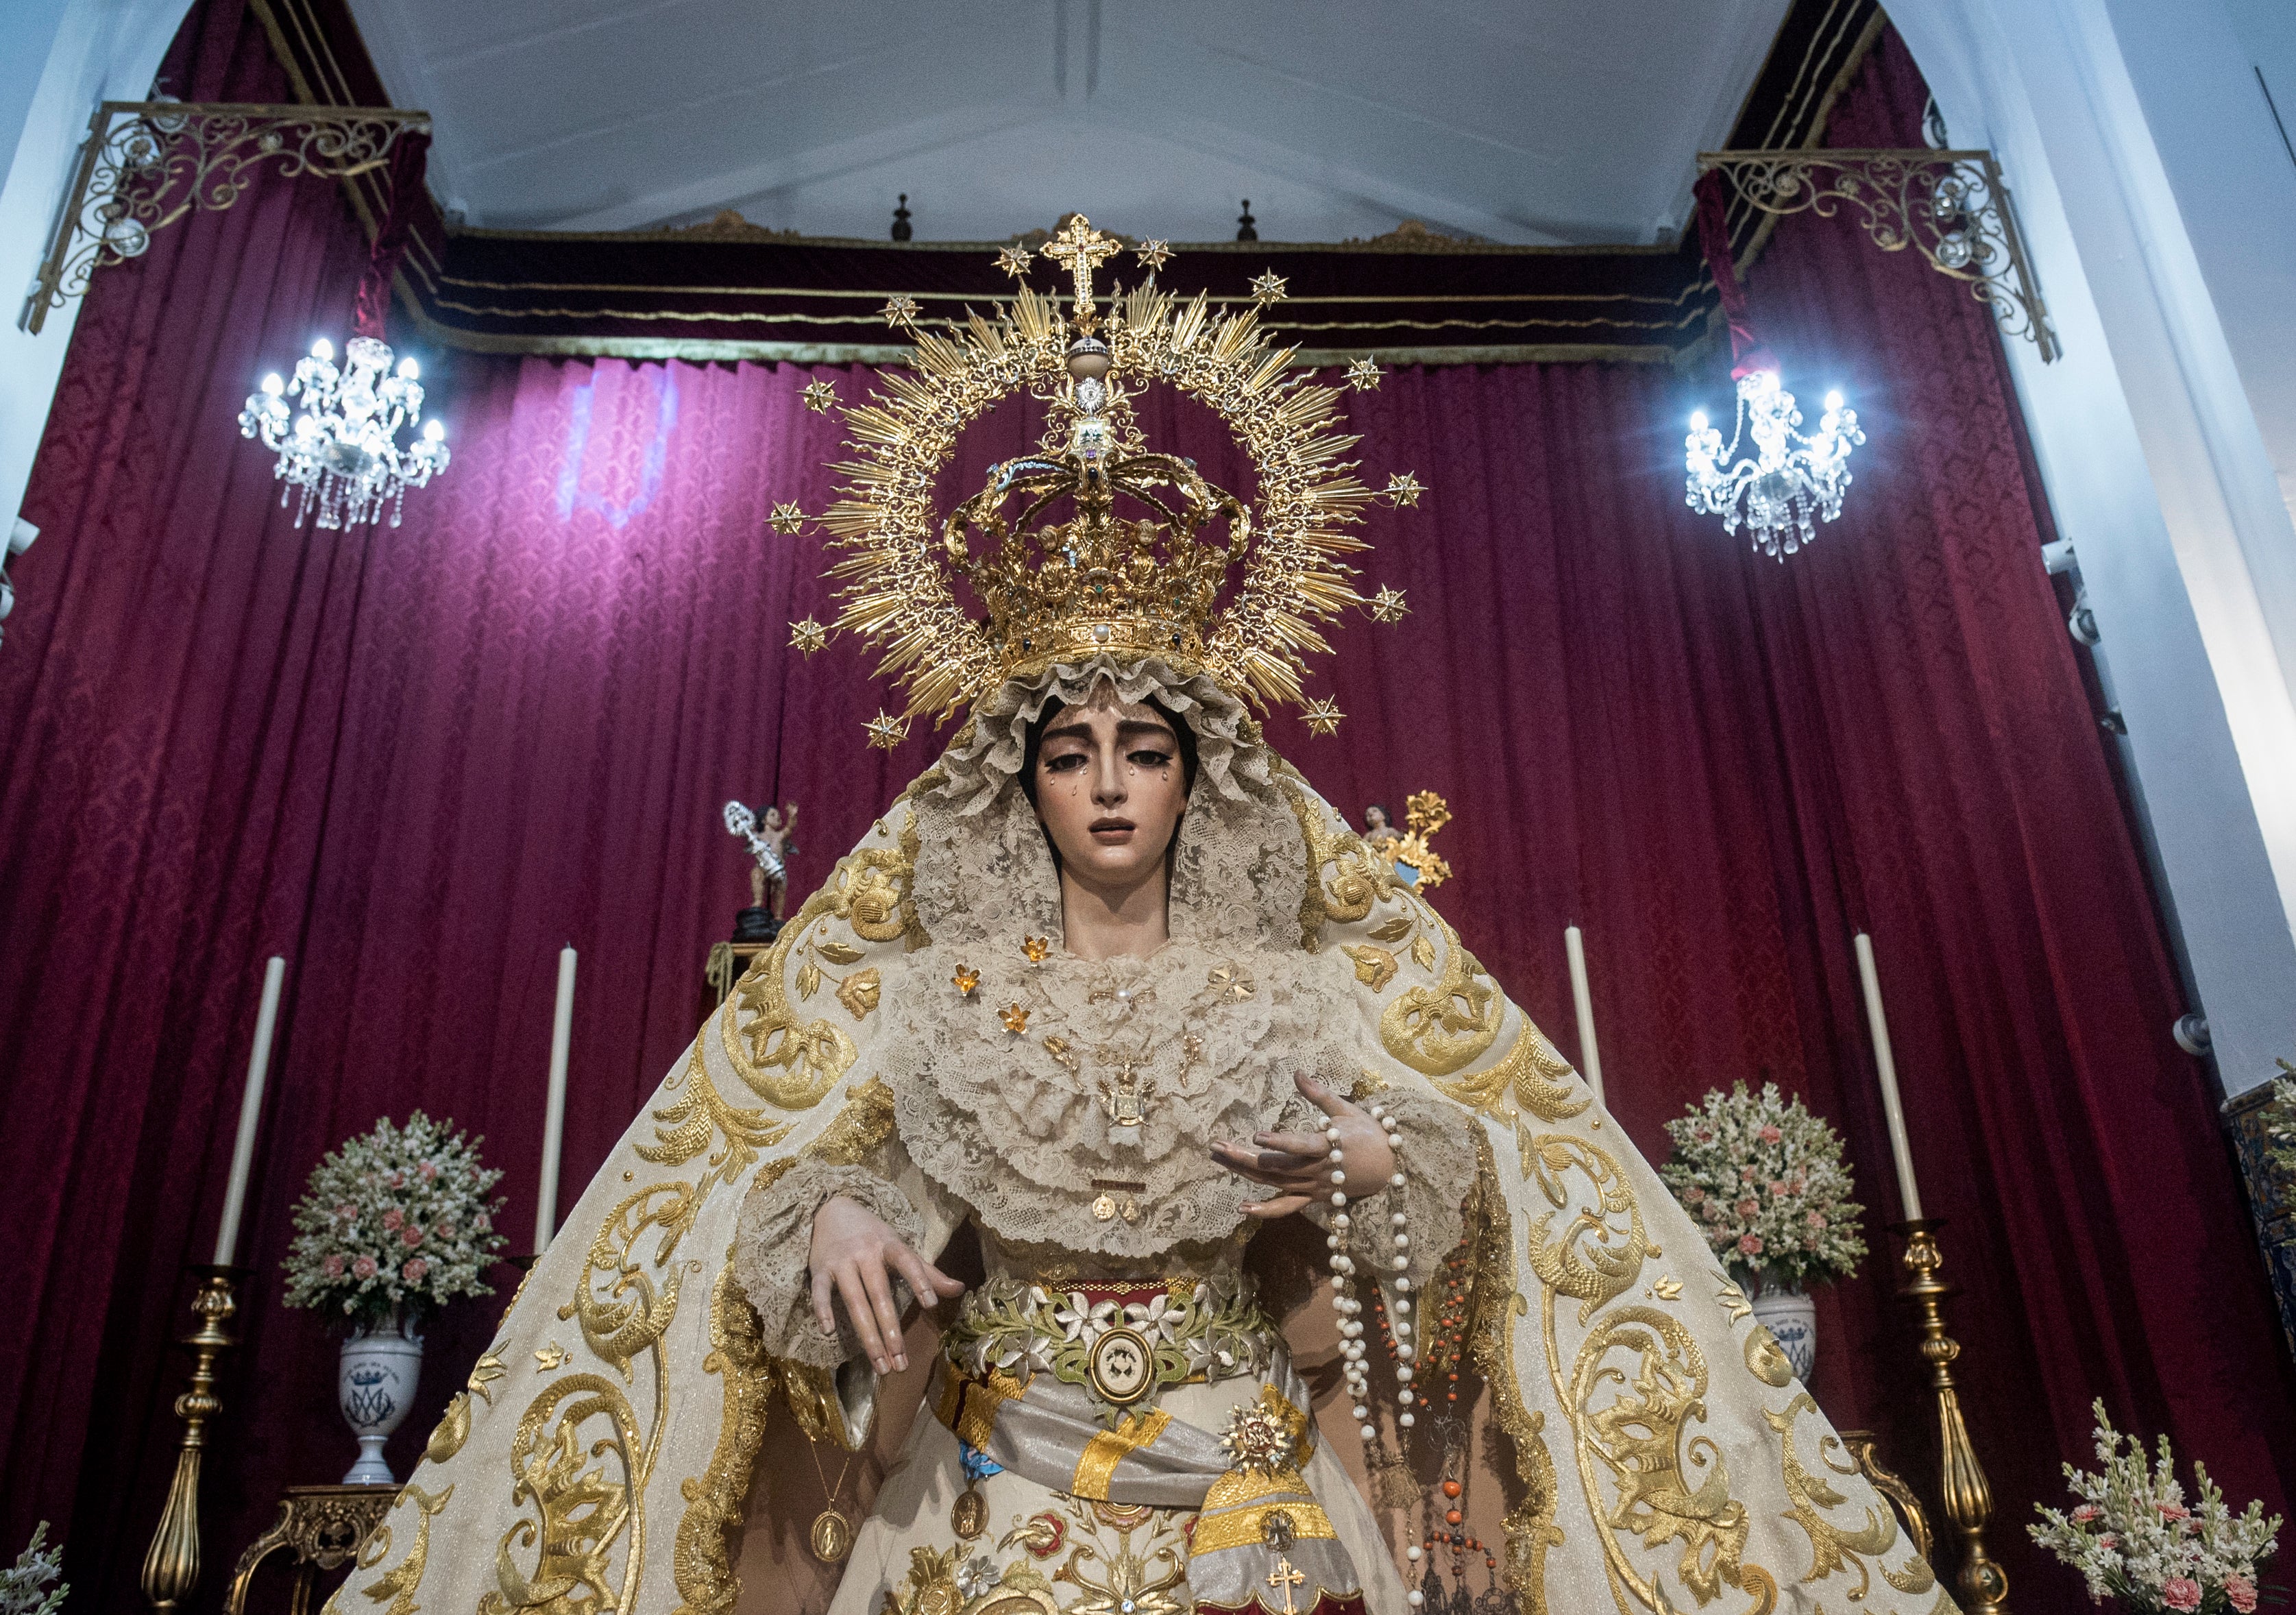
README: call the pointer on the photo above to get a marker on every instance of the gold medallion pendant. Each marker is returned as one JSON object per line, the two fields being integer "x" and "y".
{"x": 968, "y": 1516}
{"x": 1122, "y": 1366}
{"x": 832, "y": 1536}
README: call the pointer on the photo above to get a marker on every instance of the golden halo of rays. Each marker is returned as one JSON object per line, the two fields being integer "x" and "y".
{"x": 894, "y": 582}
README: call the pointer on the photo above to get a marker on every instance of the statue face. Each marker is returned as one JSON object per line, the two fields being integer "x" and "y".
{"x": 772, "y": 818}
{"x": 1375, "y": 818}
{"x": 1111, "y": 788}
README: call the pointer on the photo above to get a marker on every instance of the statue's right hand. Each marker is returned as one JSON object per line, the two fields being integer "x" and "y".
{"x": 854, "y": 1251}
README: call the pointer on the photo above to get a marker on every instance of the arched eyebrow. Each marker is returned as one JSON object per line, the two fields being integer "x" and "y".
{"x": 1126, "y": 730}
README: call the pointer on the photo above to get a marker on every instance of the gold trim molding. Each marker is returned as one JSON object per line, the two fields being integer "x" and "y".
{"x": 147, "y": 164}
{"x": 1951, "y": 207}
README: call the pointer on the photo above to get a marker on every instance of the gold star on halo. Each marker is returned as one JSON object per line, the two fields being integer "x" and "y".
{"x": 901, "y": 311}
{"x": 1365, "y": 373}
{"x": 1267, "y": 288}
{"x": 1403, "y": 490}
{"x": 1014, "y": 260}
{"x": 1153, "y": 254}
{"x": 820, "y": 397}
{"x": 887, "y": 732}
{"x": 1387, "y": 606}
{"x": 807, "y": 635}
{"x": 1322, "y": 716}
{"x": 787, "y": 520}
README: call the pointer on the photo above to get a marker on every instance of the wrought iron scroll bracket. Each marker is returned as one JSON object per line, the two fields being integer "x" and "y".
{"x": 147, "y": 164}
{"x": 1951, "y": 207}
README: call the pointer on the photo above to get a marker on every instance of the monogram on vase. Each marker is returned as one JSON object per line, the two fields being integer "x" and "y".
{"x": 374, "y": 1386}
{"x": 1789, "y": 1313}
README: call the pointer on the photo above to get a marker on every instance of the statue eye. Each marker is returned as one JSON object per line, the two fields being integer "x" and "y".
{"x": 1148, "y": 758}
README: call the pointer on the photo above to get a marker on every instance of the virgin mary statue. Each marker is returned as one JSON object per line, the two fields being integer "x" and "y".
{"x": 1256, "y": 1251}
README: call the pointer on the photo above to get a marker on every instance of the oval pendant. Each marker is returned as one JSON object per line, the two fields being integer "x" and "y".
{"x": 968, "y": 1516}
{"x": 832, "y": 1536}
{"x": 1122, "y": 1366}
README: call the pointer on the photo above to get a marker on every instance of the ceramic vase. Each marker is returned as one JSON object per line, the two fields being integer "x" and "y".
{"x": 1787, "y": 1311}
{"x": 375, "y": 1386}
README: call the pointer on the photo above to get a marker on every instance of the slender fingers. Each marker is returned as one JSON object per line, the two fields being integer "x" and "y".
{"x": 889, "y": 1317}
{"x": 823, "y": 1314}
{"x": 1282, "y": 1205}
{"x": 925, "y": 1280}
{"x": 852, "y": 1286}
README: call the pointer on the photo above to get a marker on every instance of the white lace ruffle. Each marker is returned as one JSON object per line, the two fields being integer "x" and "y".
{"x": 772, "y": 1251}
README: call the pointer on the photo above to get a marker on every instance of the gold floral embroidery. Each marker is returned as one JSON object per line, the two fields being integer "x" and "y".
{"x": 698, "y": 1560}
{"x": 1531, "y": 1532}
{"x": 860, "y": 1130}
{"x": 1375, "y": 967}
{"x": 396, "y": 1589}
{"x": 858, "y": 993}
{"x": 1599, "y": 1253}
{"x": 1830, "y": 1548}
{"x": 629, "y": 1317}
{"x": 1439, "y": 1030}
{"x": 583, "y": 1508}
{"x": 1533, "y": 1076}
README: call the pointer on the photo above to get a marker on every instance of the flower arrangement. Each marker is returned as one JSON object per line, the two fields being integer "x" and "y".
{"x": 395, "y": 1221}
{"x": 1765, "y": 1183}
{"x": 2280, "y": 1122}
{"x": 2133, "y": 1536}
{"x": 24, "y": 1590}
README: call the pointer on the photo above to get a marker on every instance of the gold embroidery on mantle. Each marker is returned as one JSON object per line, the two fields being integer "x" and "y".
{"x": 582, "y": 1508}
{"x": 629, "y": 1317}
{"x": 1495, "y": 1307}
{"x": 1830, "y": 1548}
{"x": 1593, "y": 1260}
{"x": 1439, "y": 1030}
{"x": 397, "y": 1588}
{"x": 699, "y": 1563}
{"x": 1533, "y": 1075}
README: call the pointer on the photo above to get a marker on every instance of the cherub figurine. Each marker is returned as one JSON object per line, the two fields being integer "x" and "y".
{"x": 1379, "y": 829}
{"x": 769, "y": 843}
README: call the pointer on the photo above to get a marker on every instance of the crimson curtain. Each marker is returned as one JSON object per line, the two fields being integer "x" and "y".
{"x": 416, "y": 761}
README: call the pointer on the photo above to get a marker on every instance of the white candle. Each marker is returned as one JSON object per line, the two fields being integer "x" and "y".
{"x": 251, "y": 1113}
{"x": 1892, "y": 1110}
{"x": 553, "y": 1119}
{"x": 1590, "y": 1057}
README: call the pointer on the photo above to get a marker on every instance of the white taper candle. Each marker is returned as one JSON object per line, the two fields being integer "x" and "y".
{"x": 251, "y": 1113}
{"x": 1590, "y": 1056}
{"x": 1892, "y": 1110}
{"x": 554, "y": 1118}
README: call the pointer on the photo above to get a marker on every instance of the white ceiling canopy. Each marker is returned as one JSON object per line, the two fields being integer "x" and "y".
{"x": 1543, "y": 121}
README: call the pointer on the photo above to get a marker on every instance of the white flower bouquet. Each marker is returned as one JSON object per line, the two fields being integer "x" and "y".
{"x": 1765, "y": 1183}
{"x": 395, "y": 1221}
{"x": 2280, "y": 1122}
{"x": 24, "y": 1590}
{"x": 2133, "y": 1536}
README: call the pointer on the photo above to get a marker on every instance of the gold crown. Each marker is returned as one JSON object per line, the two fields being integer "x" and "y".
{"x": 1191, "y": 577}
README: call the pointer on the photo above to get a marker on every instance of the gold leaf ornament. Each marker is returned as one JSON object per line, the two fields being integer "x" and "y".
{"x": 808, "y": 978}
{"x": 1375, "y": 967}
{"x": 839, "y": 953}
{"x": 1423, "y": 952}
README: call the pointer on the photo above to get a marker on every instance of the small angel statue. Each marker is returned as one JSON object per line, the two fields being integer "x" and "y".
{"x": 767, "y": 838}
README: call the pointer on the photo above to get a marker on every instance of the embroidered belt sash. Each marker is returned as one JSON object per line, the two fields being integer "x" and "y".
{"x": 1050, "y": 1432}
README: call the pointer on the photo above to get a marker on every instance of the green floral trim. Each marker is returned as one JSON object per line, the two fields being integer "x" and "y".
{"x": 1214, "y": 1330}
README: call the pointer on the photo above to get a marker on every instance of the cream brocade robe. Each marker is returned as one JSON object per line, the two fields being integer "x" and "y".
{"x": 1660, "y": 1455}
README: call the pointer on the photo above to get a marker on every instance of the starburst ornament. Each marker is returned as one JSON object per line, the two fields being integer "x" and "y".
{"x": 1153, "y": 254}
{"x": 1267, "y": 288}
{"x": 1387, "y": 606}
{"x": 1322, "y": 716}
{"x": 1791, "y": 478}
{"x": 1014, "y": 260}
{"x": 1364, "y": 374}
{"x": 806, "y": 636}
{"x": 787, "y": 519}
{"x": 342, "y": 448}
{"x": 887, "y": 732}
{"x": 901, "y": 311}
{"x": 1258, "y": 1440}
{"x": 1403, "y": 490}
{"x": 820, "y": 397}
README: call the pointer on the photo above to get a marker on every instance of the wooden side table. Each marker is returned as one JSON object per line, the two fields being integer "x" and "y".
{"x": 321, "y": 1526}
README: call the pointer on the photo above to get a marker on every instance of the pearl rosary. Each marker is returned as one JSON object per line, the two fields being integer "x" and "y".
{"x": 1356, "y": 1369}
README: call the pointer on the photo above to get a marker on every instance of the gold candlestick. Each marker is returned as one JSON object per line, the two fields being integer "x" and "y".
{"x": 171, "y": 1564}
{"x": 1967, "y": 1496}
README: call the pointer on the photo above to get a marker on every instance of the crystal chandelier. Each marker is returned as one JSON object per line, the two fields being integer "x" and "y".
{"x": 1791, "y": 477}
{"x": 342, "y": 448}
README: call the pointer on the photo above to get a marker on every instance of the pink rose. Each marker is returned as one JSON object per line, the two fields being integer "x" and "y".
{"x": 413, "y": 1271}
{"x": 443, "y": 1230}
{"x": 1749, "y": 1206}
{"x": 392, "y": 1218}
{"x": 2172, "y": 1510}
{"x": 1693, "y": 1197}
{"x": 1816, "y": 1219}
{"x": 410, "y": 1236}
{"x": 1778, "y": 1186}
{"x": 1704, "y": 1135}
{"x": 2240, "y": 1592}
{"x": 2086, "y": 1512}
{"x": 2181, "y": 1593}
{"x": 2111, "y": 1539}
{"x": 428, "y": 1171}
{"x": 398, "y": 1178}
{"x": 1749, "y": 1244}
{"x": 333, "y": 1266}
{"x": 346, "y": 1211}
{"x": 1713, "y": 1211}
{"x": 364, "y": 1268}
{"x": 1769, "y": 1133}
{"x": 482, "y": 1223}
{"x": 1745, "y": 1174}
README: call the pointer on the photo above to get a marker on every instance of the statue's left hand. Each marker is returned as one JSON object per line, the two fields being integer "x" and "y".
{"x": 1298, "y": 1166}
